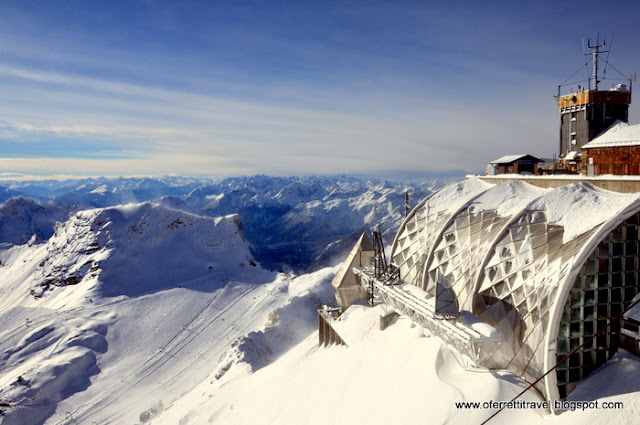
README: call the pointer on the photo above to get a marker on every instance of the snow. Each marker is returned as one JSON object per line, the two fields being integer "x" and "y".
{"x": 554, "y": 177}
{"x": 141, "y": 313}
{"x": 391, "y": 376}
{"x": 615, "y": 381}
{"x": 580, "y": 207}
{"x": 141, "y": 319}
{"x": 478, "y": 325}
{"x": 620, "y": 133}
{"x": 572, "y": 156}
{"x": 508, "y": 159}
{"x": 21, "y": 219}
{"x": 452, "y": 197}
{"x": 216, "y": 198}
{"x": 510, "y": 198}
{"x": 634, "y": 312}
{"x": 100, "y": 189}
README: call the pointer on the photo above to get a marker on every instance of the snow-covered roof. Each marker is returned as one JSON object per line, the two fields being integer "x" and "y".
{"x": 512, "y": 253}
{"x": 572, "y": 156}
{"x": 619, "y": 134}
{"x": 507, "y": 159}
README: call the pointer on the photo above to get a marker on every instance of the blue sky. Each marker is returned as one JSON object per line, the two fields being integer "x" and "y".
{"x": 153, "y": 87}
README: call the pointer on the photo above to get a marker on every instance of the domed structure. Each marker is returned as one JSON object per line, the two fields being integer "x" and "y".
{"x": 546, "y": 267}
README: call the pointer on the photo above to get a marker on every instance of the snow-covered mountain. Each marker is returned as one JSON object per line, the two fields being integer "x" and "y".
{"x": 305, "y": 223}
{"x": 103, "y": 192}
{"x": 292, "y": 223}
{"x": 23, "y": 220}
{"x": 126, "y": 308}
{"x": 299, "y": 224}
{"x": 120, "y": 246}
{"x": 7, "y": 193}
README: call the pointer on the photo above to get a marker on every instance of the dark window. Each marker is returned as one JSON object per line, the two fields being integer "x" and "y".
{"x": 594, "y": 299}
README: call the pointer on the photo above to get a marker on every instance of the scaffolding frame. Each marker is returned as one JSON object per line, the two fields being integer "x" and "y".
{"x": 469, "y": 347}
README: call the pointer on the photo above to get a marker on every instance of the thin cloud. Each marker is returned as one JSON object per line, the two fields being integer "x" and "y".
{"x": 343, "y": 88}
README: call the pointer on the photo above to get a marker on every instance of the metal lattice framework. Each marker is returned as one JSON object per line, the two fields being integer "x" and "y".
{"x": 469, "y": 346}
{"x": 522, "y": 259}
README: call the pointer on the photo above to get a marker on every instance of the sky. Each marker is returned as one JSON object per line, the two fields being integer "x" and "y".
{"x": 227, "y": 88}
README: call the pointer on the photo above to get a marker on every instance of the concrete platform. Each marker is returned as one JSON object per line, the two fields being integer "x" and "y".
{"x": 622, "y": 184}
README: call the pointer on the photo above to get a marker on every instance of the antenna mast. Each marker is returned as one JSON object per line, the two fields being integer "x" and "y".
{"x": 596, "y": 49}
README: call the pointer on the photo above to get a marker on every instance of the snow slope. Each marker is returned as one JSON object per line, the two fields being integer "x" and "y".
{"x": 123, "y": 310}
{"x": 393, "y": 376}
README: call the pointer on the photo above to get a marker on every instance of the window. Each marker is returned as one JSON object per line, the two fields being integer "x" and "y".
{"x": 588, "y": 307}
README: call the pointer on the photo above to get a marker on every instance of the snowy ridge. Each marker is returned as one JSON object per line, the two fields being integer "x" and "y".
{"x": 285, "y": 327}
{"x": 126, "y": 243}
{"x": 21, "y": 219}
{"x": 292, "y": 223}
{"x": 78, "y": 310}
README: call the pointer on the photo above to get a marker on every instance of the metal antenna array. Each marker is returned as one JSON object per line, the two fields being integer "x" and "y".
{"x": 593, "y": 49}
{"x": 596, "y": 50}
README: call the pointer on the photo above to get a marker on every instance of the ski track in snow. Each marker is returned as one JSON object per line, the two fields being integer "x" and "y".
{"x": 207, "y": 315}
{"x": 134, "y": 377}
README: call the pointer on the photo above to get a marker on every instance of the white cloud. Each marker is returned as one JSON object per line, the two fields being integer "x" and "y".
{"x": 180, "y": 132}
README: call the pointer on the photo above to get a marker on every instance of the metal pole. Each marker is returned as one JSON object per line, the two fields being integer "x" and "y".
{"x": 406, "y": 203}
{"x": 596, "y": 50}
{"x": 595, "y": 67}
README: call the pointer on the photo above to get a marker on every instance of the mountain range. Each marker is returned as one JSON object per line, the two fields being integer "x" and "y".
{"x": 291, "y": 223}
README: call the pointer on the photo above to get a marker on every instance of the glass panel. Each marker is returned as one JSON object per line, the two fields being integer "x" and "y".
{"x": 593, "y": 300}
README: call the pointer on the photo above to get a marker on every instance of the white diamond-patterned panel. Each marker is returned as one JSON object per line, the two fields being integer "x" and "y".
{"x": 456, "y": 252}
{"x": 523, "y": 273}
{"x": 424, "y": 226}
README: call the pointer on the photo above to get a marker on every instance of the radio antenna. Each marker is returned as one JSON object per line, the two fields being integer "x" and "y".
{"x": 595, "y": 51}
